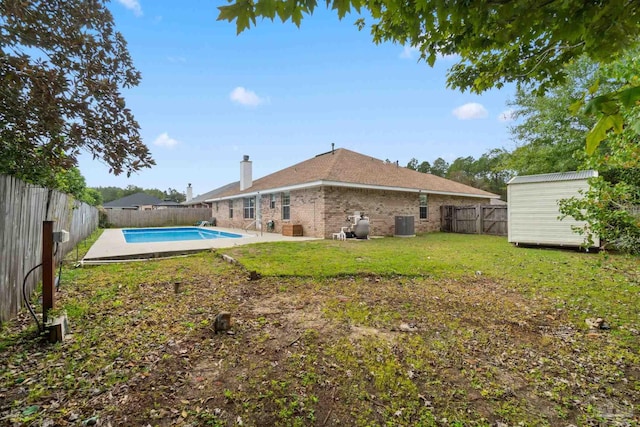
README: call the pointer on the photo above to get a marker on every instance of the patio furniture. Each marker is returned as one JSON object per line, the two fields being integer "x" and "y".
{"x": 342, "y": 234}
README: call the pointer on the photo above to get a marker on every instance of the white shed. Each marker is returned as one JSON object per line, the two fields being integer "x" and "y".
{"x": 534, "y": 211}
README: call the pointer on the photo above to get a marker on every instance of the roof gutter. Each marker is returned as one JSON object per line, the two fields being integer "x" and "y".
{"x": 407, "y": 190}
{"x": 350, "y": 185}
{"x": 269, "y": 190}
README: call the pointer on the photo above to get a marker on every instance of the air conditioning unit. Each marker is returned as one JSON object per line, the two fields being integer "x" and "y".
{"x": 405, "y": 226}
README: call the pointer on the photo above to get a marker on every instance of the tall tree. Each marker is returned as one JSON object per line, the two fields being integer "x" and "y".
{"x": 490, "y": 173}
{"x": 133, "y": 189}
{"x": 462, "y": 170}
{"x": 92, "y": 197}
{"x": 175, "y": 195}
{"x": 110, "y": 194}
{"x": 62, "y": 67}
{"x": 159, "y": 194}
{"x": 424, "y": 167}
{"x": 413, "y": 164}
{"x": 72, "y": 182}
{"x": 610, "y": 205}
{"x": 549, "y": 138}
{"x": 439, "y": 167}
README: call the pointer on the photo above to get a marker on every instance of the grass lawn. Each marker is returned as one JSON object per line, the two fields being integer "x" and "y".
{"x": 437, "y": 330}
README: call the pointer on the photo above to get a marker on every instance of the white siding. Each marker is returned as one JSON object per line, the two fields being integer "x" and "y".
{"x": 534, "y": 213}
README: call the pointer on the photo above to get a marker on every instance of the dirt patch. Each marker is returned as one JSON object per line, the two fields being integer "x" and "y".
{"x": 333, "y": 351}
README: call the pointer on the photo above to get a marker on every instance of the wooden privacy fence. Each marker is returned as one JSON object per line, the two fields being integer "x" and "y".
{"x": 23, "y": 208}
{"x": 478, "y": 219}
{"x": 157, "y": 217}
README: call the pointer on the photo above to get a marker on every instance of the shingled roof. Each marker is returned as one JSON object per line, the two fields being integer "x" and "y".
{"x": 212, "y": 194}
{"x": 347, "y": 168}
{"x": 133, "y": 201}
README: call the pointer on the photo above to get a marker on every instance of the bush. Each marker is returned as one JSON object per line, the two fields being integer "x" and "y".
{"x": 103, "y": 219}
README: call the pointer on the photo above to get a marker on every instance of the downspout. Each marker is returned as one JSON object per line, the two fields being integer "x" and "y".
{"x": 259, "y": 212}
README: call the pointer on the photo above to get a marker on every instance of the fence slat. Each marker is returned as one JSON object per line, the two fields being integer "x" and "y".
{"x": 23, "y": 207}
{"x": 157, "y": 218}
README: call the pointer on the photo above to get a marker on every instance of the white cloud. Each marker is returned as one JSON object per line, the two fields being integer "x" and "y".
{"x": 408, "y": 52}
{"x": 245, "y": 97}
{"x": 164, "y": 140}
{"x": 470, "y": 111}
{"x": 132, "y": 5}
{"x": 507, "y": 116}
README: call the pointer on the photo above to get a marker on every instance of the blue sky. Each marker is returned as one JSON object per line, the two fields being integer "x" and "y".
{"x": 283, "y": 94}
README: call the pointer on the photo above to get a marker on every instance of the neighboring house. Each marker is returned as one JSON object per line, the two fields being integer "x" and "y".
{"x": 137, "y": 201}
{"x": 168, "y": 204}
{"x": 321, "y": 192}
{"x": 200, "y": 201}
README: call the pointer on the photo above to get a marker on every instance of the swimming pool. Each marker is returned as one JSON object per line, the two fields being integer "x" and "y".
{"x": 173, "y": 234}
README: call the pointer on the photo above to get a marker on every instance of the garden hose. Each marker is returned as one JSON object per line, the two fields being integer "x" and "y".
{"x": 26, "y": 301}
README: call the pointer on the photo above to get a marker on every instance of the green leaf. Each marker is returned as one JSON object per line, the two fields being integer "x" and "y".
{"x": 593, "y": 106}
{"x": 296, "y": 16}
{"x": 575, "y": 107}
{"x": 629, "y": 97}
{"x": 606, "y": 104}
{"x": 227, "y": 13}
{"x": 617, "y": 121}
{"x": 635, "y": 126}
{"x": 283, "y": 13}
{"x": 30, "y": 410}
{"x": 431, "y": 59}
{"x": 598, "y": 133}
{"x": 342, "y": 6}
{"x": 242, "y": 23}
{"x": 266, "y": 8}
{"x": 594, "y": 87}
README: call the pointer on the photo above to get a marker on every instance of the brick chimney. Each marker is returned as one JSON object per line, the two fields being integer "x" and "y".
{"x": 246, "y": 179}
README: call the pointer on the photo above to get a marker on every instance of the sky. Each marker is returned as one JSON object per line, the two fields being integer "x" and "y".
{"x": 282, "y": 94}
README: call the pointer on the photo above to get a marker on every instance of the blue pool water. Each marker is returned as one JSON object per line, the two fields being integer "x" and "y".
{"x": 173, "y": 234}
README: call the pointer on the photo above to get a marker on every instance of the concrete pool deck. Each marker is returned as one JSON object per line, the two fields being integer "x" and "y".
{"x": 111, "y": 245}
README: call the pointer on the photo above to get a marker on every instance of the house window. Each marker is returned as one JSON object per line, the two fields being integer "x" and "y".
{"x": 230, "y": 209}
{"x": 424, "y": 209}
{"x": 249, "y": 207}
{"x": 272, "y": 201}
{"x": 286, "y": 208}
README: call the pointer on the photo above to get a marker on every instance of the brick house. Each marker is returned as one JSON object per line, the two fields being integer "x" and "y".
{"x": 321, "y": 192}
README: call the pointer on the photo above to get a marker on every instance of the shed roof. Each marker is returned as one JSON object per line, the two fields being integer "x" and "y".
{"x": 551, "y": 177}
{"x": 348, "y": 168}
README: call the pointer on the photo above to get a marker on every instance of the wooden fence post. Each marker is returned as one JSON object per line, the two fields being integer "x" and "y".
{"x": 48, "y": 269}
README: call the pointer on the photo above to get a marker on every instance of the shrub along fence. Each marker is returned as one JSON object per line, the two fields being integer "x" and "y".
{"x": 23, "y": 208}
{"x": 477, "y": 219}
{"x": 155, "y": 218}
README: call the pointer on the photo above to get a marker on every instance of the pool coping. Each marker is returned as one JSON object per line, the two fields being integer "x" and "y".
{"x": 111, "y": 245}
